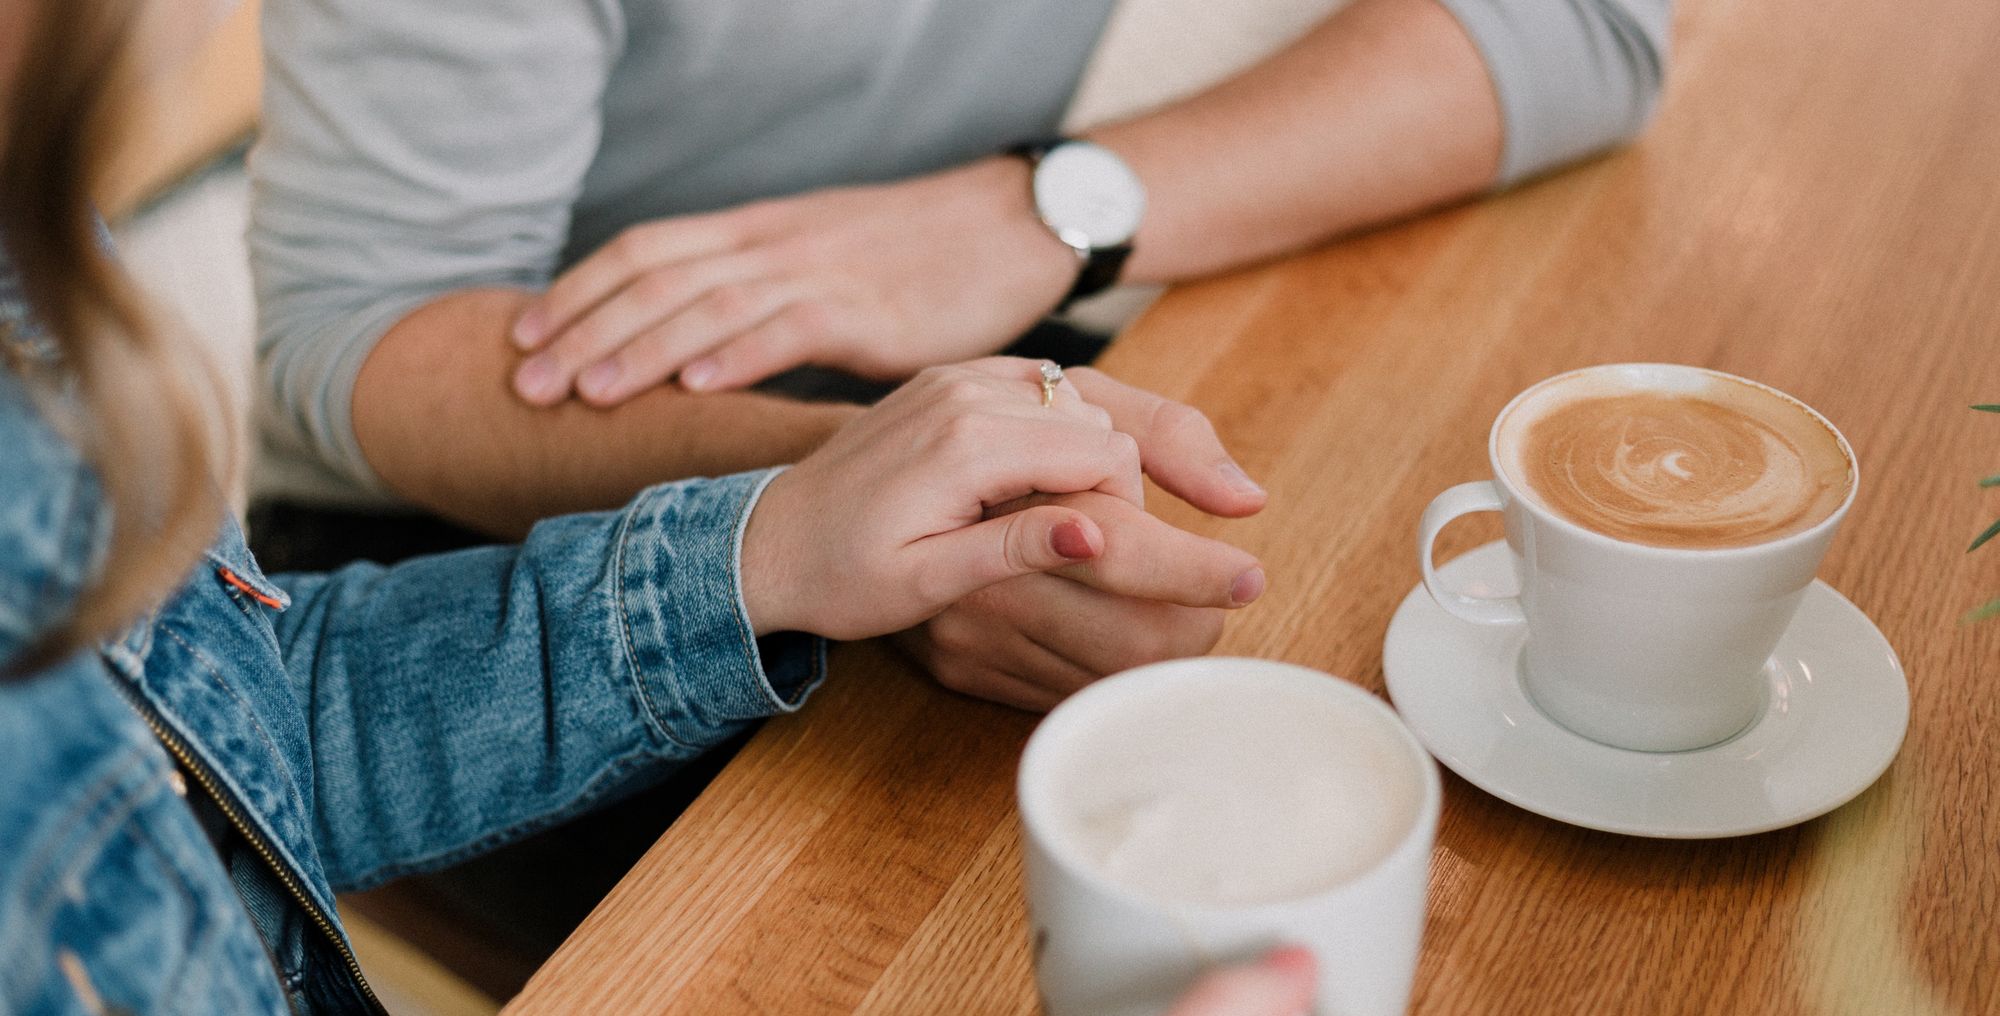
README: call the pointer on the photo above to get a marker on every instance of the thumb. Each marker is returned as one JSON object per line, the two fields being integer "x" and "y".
{"x": 961, "y": 562}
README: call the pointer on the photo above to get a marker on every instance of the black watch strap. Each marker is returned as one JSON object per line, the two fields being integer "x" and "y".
{"x": 1100, "y": 272}
{"x": 1101, "y": 266}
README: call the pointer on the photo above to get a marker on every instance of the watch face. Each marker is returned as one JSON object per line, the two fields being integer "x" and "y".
{"x": 1087, "y": 194}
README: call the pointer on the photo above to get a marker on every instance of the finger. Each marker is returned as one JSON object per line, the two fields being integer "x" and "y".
{"x": 614, "y": 265}
{"x": 1145, "y": 557}
{"x": 649, "y": 299}
{"x": 1018, "y": 652}
{"x": 964, "y": 664}
{"x": 1101, "y": 633}
{"x": 1006, "y": 456}
{"x": 1011, "y": 387}
{"x": 954, "y": 564}
{"x": 774, "y": 345}
{"x": 1280, "y": 984}
{"x": 1178, "y": 445}
{"x": 722, "y": 315}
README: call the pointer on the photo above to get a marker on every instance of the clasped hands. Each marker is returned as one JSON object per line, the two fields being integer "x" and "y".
{"x": 880, "y": 281}
{"x": 1005, "y": 543}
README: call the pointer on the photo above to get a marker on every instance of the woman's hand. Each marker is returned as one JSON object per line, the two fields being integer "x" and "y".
{"x": 1280, "y": 984}
{"x": 885, "y": 524}
{"x": 879, "y": 281}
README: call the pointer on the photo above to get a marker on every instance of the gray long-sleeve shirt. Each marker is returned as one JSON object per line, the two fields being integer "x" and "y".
{"x": 411, "y": 150}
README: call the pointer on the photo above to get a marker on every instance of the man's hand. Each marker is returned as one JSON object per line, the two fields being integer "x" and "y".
{"x": 879, "y": 281}
{"x": 1153, "y": 593}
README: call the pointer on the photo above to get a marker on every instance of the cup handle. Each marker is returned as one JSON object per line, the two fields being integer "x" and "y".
{"x": 1464, "y": 499}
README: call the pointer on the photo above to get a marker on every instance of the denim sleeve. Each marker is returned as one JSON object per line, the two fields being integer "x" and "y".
{"x": 459, "y": 701}
{"x": 1573, "y": 76}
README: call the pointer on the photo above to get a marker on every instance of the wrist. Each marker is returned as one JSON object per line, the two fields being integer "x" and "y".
{"x": 764, "y": 567}
{"x": 1041, "y": 266}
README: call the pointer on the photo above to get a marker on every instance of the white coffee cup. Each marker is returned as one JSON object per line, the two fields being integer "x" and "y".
{"x": 1637, "y": 646}
{"x": 1105, "y": 947}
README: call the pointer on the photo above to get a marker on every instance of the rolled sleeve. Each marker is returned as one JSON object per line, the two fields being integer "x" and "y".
{"x": 460, "y": 700}
{"x": 1573, "y": 76}
{"x": 693, "y": 652}
{"x": 407, "y": 152}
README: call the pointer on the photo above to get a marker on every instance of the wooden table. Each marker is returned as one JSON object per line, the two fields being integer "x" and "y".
{"x": 1817, "y": 207}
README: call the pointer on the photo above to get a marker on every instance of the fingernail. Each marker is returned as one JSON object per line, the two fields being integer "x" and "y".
{"x": 1237, "y": 479}
{"x": 597, "y": 381}
{"x": 537, "y": 379}
{"x": 528, "y": 330}
{"x": 1247, "y": 587}
{"x": 1072, "y": 542}
{"x": 696, "y": 376}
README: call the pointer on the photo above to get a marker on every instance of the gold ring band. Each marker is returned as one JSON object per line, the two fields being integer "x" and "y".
{"x": 1052, "y": 375}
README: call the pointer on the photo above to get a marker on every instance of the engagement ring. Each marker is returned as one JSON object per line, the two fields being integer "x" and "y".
{"x": 1052, "y": 376}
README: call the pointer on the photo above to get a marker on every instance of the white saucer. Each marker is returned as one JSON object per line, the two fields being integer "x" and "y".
{"x": 1836, "y": 715}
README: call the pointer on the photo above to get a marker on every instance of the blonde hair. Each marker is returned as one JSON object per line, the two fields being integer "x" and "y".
{"x": 145, "y": 398}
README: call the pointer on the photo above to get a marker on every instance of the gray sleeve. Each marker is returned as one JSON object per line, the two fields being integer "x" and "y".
{"x": 409, "y": 150}
{"x": 1573, "y": 76}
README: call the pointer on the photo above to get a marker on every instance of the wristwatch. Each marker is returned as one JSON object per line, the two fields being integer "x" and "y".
{"x": 1092, "y": 201}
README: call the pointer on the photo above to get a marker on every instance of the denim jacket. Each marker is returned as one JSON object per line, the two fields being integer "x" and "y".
{"x": 178, "y": 808}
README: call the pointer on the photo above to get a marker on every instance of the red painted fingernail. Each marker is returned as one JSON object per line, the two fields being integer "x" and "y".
{"x": 1247, "y": 587}
{"x": 1072, "y": 542}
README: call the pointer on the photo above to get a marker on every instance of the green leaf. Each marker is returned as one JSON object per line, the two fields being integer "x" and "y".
{"x": 1991, "y": 481}
{"x": 1978, "y": 614}
{"x": 1991, "y": 531}
{"x": 1988, "y": 407}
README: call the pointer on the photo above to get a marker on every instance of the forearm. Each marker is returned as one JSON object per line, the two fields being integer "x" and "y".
{"x": 438, "y": 422}
{"x": 1382, "y": 110}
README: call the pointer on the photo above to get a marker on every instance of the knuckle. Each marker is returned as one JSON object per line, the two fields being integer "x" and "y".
{"x": 811, "y": 318}
{"x": 1123, "y": 446}
{"x": 657, "y": 286}
{"x": 962, "y": 389}
{"x": 951, "y": 636}
{"x": 1019, "y": 547}
{"x": 1177, "y": 419}
{"x": 963, "y": 432}
{"x": 959, "y": 676}
{"x": 731, "y": 302}
{"x": 628, "y": 249}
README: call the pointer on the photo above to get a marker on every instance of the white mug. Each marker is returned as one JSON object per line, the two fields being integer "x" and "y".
{"x": 1102, "y": 949}
{"x": 1636, "y": 646}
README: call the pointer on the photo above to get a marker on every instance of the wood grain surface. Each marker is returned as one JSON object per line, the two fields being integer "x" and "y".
{"x": 1817, "y": 207}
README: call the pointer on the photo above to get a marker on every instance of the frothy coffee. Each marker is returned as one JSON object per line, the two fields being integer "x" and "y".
{"x": 1688, "y": 459}
{"x": 1232, "y": 792}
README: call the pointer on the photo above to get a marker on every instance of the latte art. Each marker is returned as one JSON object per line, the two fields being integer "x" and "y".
{"x": 1724, "y": 466}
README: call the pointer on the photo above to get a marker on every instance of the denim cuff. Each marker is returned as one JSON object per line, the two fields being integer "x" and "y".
{"x": 700, "y": 670}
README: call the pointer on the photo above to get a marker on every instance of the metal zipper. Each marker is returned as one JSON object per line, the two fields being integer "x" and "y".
{"x": 174, "y": 746}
